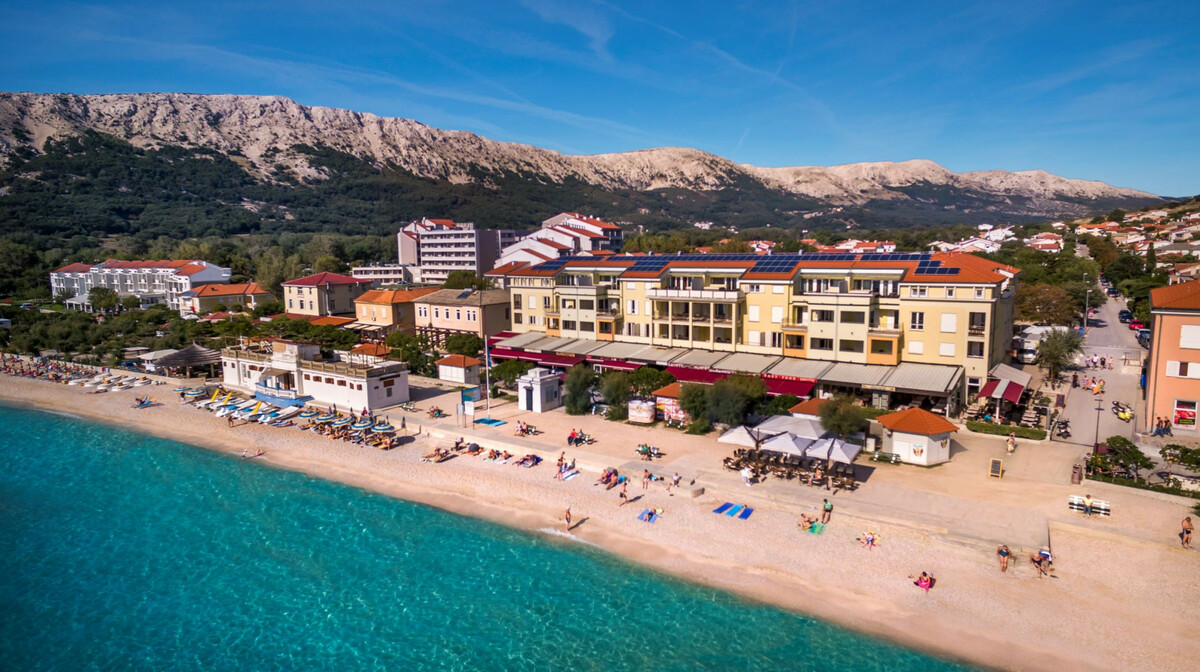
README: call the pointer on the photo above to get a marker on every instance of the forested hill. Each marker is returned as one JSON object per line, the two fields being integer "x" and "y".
{"x": 191, "y": 165}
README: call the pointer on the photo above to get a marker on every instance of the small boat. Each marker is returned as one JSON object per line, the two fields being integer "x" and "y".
{"x": 142, "y": 381}
{"x": 227, "y": 409}
{"x": 259, "y": 414}
{"x": 197, "y": 392}
{"x": 285, "y": 413}
{"x": 286, "y": 423}
{"x": 181, "y": 389}
{"x": 94, "y": 381}
{"x": 78, "y": 381}
{"x": 215, "y": 403}
{"x": 121, "y": 386}
{"x": 383, "y": 428}
{"x": 362, "y": 425}
{"x": 247, "y": 410}
{"x": 310, "y": 413}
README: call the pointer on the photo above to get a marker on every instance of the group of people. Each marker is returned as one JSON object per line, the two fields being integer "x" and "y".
{"x": 577, "y": 437}
{"x": 524, "y": 429}
{"x": 1098, "y": 363}
{"x": 1162, "y": 427}
{"x": 436, "y": 412}
{"x": 1043, "y": 561}
{"x": 564, "y": 467}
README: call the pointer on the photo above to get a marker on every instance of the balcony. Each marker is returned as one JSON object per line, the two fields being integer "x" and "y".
{"x": 551, "y": 311}
{"x": 722, "y": 295}
{"x": 977, "y": 330}
{"x": 883, "y": 332}
{"x": 279, "y": 392}
{"x": 794, "y": 327}
{"x": 585, "y": 291}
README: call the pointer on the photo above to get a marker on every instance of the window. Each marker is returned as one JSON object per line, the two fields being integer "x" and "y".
{"x": 822, "y": 316}
{"x": 776, "y": 339}
{"x": 517, "y": 318}
{"x": 949, "y": 323}
{"x": 568, "y": 324}
{"x": 546, "y": 303}
{"x": 975, "y": 349}
{"x": 1185, "y": 414}
{"x": 329, "y": 381}
{"x": 631, "y": 307}
{"x": 753, "y": 289}
{"x": 854, "y": 317}
{"x": 916, "y": 347}
{"x": 587, "y": 304}
{"x": 777, "y": 314}
{"x": 471, "y": 315}
{"x": 917, "y": 322}
{"x": 754, "y": 338}
{"x": 821, "y": 344}
{"x": 341, "y": 383}
{"x": 1182, "y": 370}
{"x": 979, "y": 292}
{"x": 358, "y": 386}
{"x": 1189, "y": 337}
{"x": 850, "y": 346}
{"x": 587, "y": 326}
{"x": 437, "y": 312}
{"x": 777, "y": 289}
{"x": 946, "y": 349}
{"x": 752, "y": 313}
{"x": 516, "y": 301}
{"x": 387, "y": 392}
{"x": 289, "y": 303}
{"x": 973, "y": 385}
{"x": 977, "y": 322}
{"x": 949, "y": 292}
{"x": 881, "y": 346}
{"x": 918, "y": 291}
{"x": 629, "y": 286}
{"x": 423, "y": 311}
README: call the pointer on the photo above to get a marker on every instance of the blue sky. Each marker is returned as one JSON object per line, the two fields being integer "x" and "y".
{"x": 1097, "y": 90}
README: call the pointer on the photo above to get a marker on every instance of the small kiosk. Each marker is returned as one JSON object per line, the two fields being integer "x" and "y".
{"x": 539, "y": 390}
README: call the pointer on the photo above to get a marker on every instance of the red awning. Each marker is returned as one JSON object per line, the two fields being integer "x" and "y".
{"x": 1013, "y": 392}
{"x": 1002, "y": 389}
{"x": 558, "y": 360}
{"x": 617, "y": 365}
{"x": 686, "y": 375}
{"x": 988, "y": 388}
{"x": 800, "y": 388}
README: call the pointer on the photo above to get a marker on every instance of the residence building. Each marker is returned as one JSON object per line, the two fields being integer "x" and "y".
{"x": 462, "y": 311}
{"x": 906, "y": 325}
{"x": 1173, "y": 372}
{"x": 435, "y": 248}
{"x": 153, "y": 282}
{"x": 380, "y": 312}
{"x": 322, "y": 294}
{"x": 382, "y": 275}
{"x": 563, "y": 235}
{"x": 292, "y": 373}
{"x": 207, "y": 298}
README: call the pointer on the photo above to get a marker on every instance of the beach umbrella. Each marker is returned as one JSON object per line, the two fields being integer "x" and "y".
{"x": 745, "y": 436}
{"x": 309, "y": 413}
{"x": 328, "y": 417}
{"x": 340, "y": 423}
{"x": 844, "y": 452}
{"x": 383, "y": 428}
{"x": 819, "y": 449}
{"x": 360, "y": 426}
{"x": 788, "y": 443}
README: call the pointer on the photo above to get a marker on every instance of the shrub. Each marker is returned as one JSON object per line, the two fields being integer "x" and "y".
{"x": 1004, "y": 430}
{"x": 700, "y": 425}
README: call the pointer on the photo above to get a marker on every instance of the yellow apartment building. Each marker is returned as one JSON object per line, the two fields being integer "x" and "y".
{"x": 322, "y": 294}
{"x": 848, "y": 321}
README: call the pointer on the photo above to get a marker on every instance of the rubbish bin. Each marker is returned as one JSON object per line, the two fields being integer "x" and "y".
{"x": 1077, "y": 474}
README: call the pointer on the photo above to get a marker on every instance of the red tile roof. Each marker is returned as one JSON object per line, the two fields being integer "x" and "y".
{"x": 392, "y": 297}
{"x": 371, "y": 350}
{"x": 917, "y": 421}
{"x": 326, "y": 278}
{"x": 599, "y": 223}
{"x": 809, "y": 406}
{"x": 330, "y": 321}
{"x": 670, "y": 391}
{"x": 1182, "y": 296}
{"x": 461, "y": 361}
{"x": 76, "y": 267}
{"x": 215, "y": 289}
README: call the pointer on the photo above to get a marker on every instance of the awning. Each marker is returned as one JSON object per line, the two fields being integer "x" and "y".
{"x": 558, "y": 360}
{"x": 508, "y": 353}
{"x": 274, "y": 373}
{"x": 1002, "y": 389}
{"x": 685, "y": 375}
{"x": 988, "y": 388}
{"x": 617, "y": 365}
{"x": 800, "y": 388}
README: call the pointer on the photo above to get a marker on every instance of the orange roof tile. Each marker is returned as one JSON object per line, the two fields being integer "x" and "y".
{"x": 1182, "y": 296}
{"x": 809, "y": 406}
{"x": 216, "y": 289}
{"x": 394, "y": 296}
{"x": 670, "y": 391}
{"x": 917, "y": 421}
{"x": 461, "y": 361}
{"x": 318, "y": 279}
{"x": 331, "y": 321}
{"x": 371, "y": 350}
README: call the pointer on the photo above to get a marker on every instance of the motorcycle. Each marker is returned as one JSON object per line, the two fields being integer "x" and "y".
{"x": 1063, "y": 430}
{"x": 1125, "y": 413}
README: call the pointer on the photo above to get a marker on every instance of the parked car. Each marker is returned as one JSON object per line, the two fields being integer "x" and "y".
{"x": 1143, "y": 338}
{"x": 1112, "y": 291}
{"x": 1136, "y": 325}
{"x": 1125, "y": 316}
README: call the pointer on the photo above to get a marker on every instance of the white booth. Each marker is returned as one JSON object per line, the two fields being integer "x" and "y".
{"x": 917, "y": 436}
{"x": 539, "y": 390}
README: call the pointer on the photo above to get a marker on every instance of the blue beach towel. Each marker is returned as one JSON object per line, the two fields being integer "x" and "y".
{"x": 735, "y": 510}
{"x": 723, "y": 508}
{"x": 746, "y": 513}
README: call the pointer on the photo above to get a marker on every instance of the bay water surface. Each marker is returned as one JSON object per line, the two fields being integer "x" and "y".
{"x": 121, "y": 551}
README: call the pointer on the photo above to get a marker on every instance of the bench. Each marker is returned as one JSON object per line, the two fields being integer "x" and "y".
{"x": 1099, "y": 507}
{"x": 880, "y": 456}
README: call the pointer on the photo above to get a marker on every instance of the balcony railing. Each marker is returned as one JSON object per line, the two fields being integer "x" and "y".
{"x": 794, "y": 326}
{"x": 696, "y": 294}
{"x": 281, "y": 392}
{"x": 876, "y": 330}
{"x": 977, "y": 330}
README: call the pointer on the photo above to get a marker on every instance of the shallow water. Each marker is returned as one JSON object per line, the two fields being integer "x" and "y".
{"x": 123, "y": 551}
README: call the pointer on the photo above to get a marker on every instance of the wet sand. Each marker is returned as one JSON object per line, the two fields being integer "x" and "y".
{"x": 1118, "y": 603}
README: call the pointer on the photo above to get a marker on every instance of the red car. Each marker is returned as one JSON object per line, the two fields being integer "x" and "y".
{"x": 1136, "y": 324}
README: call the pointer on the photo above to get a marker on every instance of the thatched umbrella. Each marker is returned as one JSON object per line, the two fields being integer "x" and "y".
{"x": 191, "y": 356}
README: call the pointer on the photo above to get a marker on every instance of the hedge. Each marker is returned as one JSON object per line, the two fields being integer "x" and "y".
{"x": 1143, "y": 485}
{"x": 1004, "y": 430}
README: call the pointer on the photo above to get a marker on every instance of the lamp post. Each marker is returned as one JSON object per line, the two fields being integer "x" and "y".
{"x": 1099, "y": 410}
{"x": 1086, "y": 303}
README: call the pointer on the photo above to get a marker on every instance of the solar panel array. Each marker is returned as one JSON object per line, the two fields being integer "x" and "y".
{"x": 774, "y": 265}
{"x": 934, "y": 267}
{"x": 648, "y": 264}
{"x": 552, "y": 265}
{"x": 897, "y": 256}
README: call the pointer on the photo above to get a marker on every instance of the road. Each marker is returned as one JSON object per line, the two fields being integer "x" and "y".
{"x": 1109, "y": 338}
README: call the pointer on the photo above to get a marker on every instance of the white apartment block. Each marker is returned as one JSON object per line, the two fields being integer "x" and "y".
{"x": 386, "y": 274}
{"x": 435, "y": 248}
{"x": 151, "y": 281}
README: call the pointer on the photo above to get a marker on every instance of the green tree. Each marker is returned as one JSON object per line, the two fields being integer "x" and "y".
{"x": 578, "y": 394}
{"x": 509, "y": 370}
{"x": 1117, "y": 215}
{"x": 103, "y": 299}
{"x": 416, "y": 351}
{"x": 730, "y": 398}
{"x": 646, "y": 379}
{"x": 466, "y": 280}
{"x": 1057, "y": 350}
{"x": 1047, "y": 304}
{"x": 693, "y": 400}
{"x": 1151, "y": 259}
{"x": 131, "y": 303}
{"x": 62, "y": 296}
{"x": 617, "y": 390}
{"x": 464, "y": 344}
{"x": 328, "y": 264}
{"x": 842, "y": 416}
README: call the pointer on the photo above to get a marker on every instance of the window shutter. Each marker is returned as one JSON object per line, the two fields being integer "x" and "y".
{"x": 949, "y": 323}
{"x": 1189, "y": 337}
{"x": 777, "y": 314}
{"x": 916, "y": 347}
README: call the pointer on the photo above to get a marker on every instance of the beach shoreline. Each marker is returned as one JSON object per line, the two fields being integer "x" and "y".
{"x": 854, "y": 590}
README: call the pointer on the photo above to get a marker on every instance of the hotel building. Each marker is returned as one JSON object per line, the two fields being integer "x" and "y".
{"x": 154, "y": 282}
{"x": 323, "y": 294}
{"x": 435, "y": 248}
{"x": 895, "y": 327}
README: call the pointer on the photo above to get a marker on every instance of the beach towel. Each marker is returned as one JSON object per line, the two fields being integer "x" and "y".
{"x": 745, "y": 513}
{"x": 648, "y": 516}
{"x": 817, "y": 528}
{"x": 735, "y": 510}
{"x": 723, "y": 508}
{"x": 571, "y": 475}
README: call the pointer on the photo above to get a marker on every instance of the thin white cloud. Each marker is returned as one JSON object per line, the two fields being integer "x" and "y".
{"x": 591, "y": 24}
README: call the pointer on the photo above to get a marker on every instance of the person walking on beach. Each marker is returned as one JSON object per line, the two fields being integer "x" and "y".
{"x": 1186, "y": 535}
{"x": 826, "y": 510}
{"x": 673, "y": 484}
{"x": 403, "y": 425}
{"x": 645, "y": 479}
{"x": 567, "y": 519}
{"x": 623, "y": 496}
{"x": 747, "y": 474}
{"x": 1003, "y": 554}
{"x": 1011, "y": 441}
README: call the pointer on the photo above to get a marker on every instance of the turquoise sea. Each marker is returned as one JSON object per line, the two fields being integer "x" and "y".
{"x": 120, "y": 551}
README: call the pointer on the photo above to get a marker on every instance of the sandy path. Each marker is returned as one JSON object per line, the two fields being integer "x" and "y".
{"x": 1119, "y": 603}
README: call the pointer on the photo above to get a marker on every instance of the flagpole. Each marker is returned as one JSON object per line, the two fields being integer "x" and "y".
{"x": 487, "y": 360}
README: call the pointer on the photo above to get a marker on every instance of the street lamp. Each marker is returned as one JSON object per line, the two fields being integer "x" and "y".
{"x": 1086, "y": 303}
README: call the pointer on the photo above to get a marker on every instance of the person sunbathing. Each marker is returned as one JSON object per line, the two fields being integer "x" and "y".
{"x": 923, "y": 581}
{"x": 806, "y": 523}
